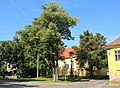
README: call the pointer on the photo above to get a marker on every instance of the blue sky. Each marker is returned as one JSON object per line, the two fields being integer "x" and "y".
{"x": 101, "y": 16}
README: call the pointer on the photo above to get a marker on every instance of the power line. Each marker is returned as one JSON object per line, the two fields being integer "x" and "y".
{"x": 17, "y": 7}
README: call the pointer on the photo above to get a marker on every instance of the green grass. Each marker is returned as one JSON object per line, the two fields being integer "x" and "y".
{"x": 61, "y": 79}
{"x": 77, "y": 79}
{"x": 32, "y": 79}
{"x": 107, "y": 83}
{"x": 42, "y": 79}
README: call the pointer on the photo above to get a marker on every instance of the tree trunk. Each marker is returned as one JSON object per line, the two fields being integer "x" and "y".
{"x": 53, "y": 68}
{"x": 91, "y": 71}
{"x": 56, "y": 70}
{"x": 53, "y": 74}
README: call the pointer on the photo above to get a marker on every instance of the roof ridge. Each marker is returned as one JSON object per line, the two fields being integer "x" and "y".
{"x": 115, "y": 42}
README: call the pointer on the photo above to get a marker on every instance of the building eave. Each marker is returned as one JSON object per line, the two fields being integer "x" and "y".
{"x": 113, "y": 46}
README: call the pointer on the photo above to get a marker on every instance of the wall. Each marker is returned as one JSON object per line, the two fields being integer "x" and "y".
{"x": 114, "y": 66}
{"x": 76, "y": 69}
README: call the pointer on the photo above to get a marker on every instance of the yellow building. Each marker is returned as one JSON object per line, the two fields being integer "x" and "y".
{"x": 113, "y": 52}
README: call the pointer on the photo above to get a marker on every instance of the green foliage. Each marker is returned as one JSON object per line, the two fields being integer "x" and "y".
{"x": 92, "y": 50}
{"x": 54, "y": 14}
{"x": 6, "y": 54}
{"x": 42, "y": 41}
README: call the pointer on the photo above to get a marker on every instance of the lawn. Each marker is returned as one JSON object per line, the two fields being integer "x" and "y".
{"x": 33, "y": 79}
{"x": 47, "y": 79}
{"x": 14, "y": 78}
{"x": 43, "y": 79}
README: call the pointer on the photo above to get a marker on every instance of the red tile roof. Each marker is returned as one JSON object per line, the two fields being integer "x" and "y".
{"x": 65, "y": 53}
{"x": 115, "y": 42}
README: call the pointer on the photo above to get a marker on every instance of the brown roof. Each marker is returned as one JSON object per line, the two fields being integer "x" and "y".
{"x": 115, "y": 42}
{"x": 65, "y": 53}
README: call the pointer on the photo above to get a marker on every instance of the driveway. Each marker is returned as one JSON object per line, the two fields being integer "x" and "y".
{"x": 86, "y": 84}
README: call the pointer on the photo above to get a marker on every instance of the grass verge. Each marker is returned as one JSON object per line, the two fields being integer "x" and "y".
{"x": 33, "y": 79}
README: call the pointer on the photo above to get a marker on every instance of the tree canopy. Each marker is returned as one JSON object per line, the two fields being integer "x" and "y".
{"x": 92, "y": 50}
{"x": 39, "y": 44}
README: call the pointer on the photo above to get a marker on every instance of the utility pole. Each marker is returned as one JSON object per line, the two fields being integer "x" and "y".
{"x": 38, "y": 58}
{"x": 37, "y": 66}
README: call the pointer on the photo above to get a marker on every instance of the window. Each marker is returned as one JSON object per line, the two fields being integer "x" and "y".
{"x": 117, "y": 55}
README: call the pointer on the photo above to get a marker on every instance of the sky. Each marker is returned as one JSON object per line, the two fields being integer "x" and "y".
{"x": 97, "y": 16}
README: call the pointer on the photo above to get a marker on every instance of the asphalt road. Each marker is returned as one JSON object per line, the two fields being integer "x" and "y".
{"x": 85, "y": 84}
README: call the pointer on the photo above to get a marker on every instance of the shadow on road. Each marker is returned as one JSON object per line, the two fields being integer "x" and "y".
{"x": 12, "y": 84}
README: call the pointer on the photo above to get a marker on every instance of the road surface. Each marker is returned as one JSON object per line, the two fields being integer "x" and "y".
{"x": 85, "y": 84}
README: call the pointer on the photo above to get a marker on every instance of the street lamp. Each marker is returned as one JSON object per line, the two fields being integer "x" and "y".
{"x": 64, "y": 69}
{"x": 71, "y": 67}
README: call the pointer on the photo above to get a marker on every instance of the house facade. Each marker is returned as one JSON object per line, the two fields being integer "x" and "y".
{"x": 113, "y": 53}
{"x": 68, "y": 63}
